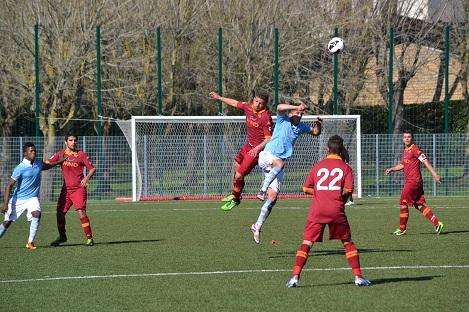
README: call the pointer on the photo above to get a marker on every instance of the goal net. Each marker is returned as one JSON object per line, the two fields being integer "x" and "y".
{"x": 188, "y": 157}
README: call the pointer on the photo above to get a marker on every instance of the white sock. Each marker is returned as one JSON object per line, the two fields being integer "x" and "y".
{"x": 3, "y": 229}
{"x": 33, "y": 227}
{"x": 265, "y": 212}
{"x": 269, "y": 177}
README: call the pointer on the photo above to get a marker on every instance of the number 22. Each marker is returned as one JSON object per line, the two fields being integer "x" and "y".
{"x": 324, "y": 173}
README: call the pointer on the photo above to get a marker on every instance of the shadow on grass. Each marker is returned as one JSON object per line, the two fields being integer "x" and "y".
{"x": 331, "y": 252}
{"x": 139, "y": 241}
{"x": 447, "y": 232}
{"x": 380, "y": 281}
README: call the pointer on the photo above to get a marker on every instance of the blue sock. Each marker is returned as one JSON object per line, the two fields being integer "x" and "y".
{"x": 269, "y": 177}
{"x": 265, "y": 212}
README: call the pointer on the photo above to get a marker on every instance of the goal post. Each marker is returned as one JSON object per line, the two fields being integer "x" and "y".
{"x": 176, "y": 157}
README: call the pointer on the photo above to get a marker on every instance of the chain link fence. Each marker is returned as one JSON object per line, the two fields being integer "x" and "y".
{"x": 112, "y": 157}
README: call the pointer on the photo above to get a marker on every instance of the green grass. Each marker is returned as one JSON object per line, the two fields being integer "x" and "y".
{"x": 197, "y": 237}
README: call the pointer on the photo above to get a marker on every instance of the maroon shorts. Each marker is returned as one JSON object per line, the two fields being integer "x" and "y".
{"x": 75, "y": 197}
{"x": 313, "y": 232}
{"x": 245, "y": 161}
{"x": 412, "y": 194}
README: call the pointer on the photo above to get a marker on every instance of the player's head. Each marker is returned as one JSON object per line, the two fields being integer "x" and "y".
{"x": 260, "y": 101}
{"x": 71, "y": 141}
{"x": 407, "y": 138}
{"x": 335, "y": 145}
{"x": 29, "y": 151}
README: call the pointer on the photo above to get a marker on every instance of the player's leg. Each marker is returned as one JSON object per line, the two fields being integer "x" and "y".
{"x": 266, "y": 208}
{"x": 353, "y": 259}
{"x": 79, "y": 201}
{"x": 63, "y": 205}
{"x": 300, "y": 260}
{"x": 14, "y": 211}
{"x": 4, "y": 227}
{"x": 273, "y": 166}
{"x": 422, "y": 206}
{"x": 34, "y": 217}
{"x": 403, "y": 210}
{"x": 313, "y": 232}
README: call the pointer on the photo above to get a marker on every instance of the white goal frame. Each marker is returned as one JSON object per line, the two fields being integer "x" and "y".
{"x": 217, "y": 119}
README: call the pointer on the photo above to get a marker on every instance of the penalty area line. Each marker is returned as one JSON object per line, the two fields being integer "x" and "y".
{"x": 163, "y": 274}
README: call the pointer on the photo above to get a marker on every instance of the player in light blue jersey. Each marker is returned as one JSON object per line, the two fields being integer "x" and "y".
{"x": 25, "y": 197}
{"x": 288, "y": 128}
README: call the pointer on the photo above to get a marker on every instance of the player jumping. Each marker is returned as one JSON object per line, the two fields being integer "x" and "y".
{"x": 412, "y": 193}
{"x": 259, "y": 131}
{"x": 27, "y": 178}
{"x": 288, "y": 128}
{"x": 74, "y": 188}
{"x": 330, "y": 182}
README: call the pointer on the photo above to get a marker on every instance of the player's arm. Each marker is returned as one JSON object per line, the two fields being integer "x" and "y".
{"x": 48, "y": 164}
{"x": 317, "y": 127}
{"x": 283, "y": 108}
{"x": 430, "y": 168}
{"x": 308, "y": 186}
{"x": 228, "y": 101}
{"x": 347, "y": 190}
{"x": 258, "y": 148}
{"x": 397, "y": 167}
{"x": 10, "y": 185}
{"x": 90, "y": 167}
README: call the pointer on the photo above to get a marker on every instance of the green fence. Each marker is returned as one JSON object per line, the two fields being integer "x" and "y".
{"x": 411, "y": 81}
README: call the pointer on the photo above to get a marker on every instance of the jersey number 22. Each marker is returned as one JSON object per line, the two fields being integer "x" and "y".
{"x": 323, "y": 174}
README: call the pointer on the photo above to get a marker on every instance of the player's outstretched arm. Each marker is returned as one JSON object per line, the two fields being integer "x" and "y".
{"x": 283, "y": 108}
{"x": 48, "y": 164}
{"x": 228, "y": 101}
{"x": 6, "y": 197}
{"x": 397, "y": 167}
{"x": 430, "y": 168}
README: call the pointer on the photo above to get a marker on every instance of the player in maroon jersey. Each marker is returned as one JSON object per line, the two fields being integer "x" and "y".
{"x": 330, "y": 182}
{"x": 412, "y": 193}
{"x": 74, "y": 188}
{"x": 259, "y": 131}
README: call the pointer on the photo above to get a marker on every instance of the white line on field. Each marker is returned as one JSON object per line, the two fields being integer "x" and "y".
{"x": 253, "y": 208}
{"x": 89, "y": 277}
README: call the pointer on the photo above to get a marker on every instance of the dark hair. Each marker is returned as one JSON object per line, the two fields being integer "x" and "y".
{"x": 28, "y": 145}
{"x": 409, "y": 132}
{"x": 263, "y": 96}
{"x": 70, "y": 135}
{"x": 335, "y": 144}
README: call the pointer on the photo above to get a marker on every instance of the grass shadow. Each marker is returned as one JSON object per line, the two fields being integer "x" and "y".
{"x": 139, "y": 241}
{"x": 317, "y": 253}
{"x": 380, "y": 281}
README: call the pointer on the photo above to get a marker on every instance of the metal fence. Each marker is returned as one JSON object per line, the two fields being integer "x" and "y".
{"x": 112, "y": 157}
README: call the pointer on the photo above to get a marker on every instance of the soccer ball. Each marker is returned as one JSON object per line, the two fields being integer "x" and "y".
{"x": 335, "y": 45}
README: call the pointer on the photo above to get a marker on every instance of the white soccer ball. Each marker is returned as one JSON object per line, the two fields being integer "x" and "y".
{"x": 335, "y": 45}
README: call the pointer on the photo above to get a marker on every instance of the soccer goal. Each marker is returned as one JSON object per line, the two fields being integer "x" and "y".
{"x": 177, "y": 157}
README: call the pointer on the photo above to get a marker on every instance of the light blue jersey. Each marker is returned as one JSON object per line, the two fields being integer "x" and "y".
{"x": 284, "y": 136}
{"x": 28, "y": 179}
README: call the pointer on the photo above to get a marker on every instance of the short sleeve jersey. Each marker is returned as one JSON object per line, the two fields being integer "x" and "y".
{"x": 329, "y": 178}
{"x": 28, "y": 179}
{"x": 72, "y": 168}
{"x": 284, "y": 136}
{"x": 411, "y": 158}
{"x": 258, "y": 124}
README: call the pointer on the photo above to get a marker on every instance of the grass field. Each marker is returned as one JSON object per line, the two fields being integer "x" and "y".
{"x": 189, "y": 256}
